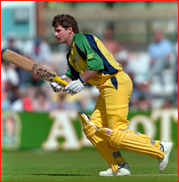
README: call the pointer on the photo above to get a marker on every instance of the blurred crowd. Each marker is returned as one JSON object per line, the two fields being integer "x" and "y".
{"x": 154, "y": 74}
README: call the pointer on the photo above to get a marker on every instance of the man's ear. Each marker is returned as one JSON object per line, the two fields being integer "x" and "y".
{"x": 70, "y": 30}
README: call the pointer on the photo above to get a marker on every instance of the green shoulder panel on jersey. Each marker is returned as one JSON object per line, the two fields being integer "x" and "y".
{"x": 97, "y": 56}
{"x": 94, "y": 62}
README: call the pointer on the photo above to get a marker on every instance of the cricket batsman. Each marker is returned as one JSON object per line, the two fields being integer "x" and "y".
{"x": 89, "y": 61}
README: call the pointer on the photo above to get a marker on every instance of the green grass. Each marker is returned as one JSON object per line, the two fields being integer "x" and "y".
{"x": 84, "y": 165}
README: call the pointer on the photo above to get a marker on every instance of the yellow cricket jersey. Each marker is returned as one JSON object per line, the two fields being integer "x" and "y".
{"x": 88, "y": 52}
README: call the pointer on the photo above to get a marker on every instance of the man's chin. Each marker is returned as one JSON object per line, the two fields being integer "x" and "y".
{"x": 60, "y": 42}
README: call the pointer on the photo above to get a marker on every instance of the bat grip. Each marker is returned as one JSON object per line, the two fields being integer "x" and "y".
{"x": 60, "y": 81}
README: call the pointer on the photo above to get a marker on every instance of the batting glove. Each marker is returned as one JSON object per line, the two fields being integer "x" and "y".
{"x": 56, "y": 87}
{"x": 74, "y": 87}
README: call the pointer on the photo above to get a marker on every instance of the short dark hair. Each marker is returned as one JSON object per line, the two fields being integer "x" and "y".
{"x": 65, "y": 21}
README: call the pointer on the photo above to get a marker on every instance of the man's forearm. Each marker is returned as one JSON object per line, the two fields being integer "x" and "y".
{"x": 68, "y": 79}
{"x": 88, "y": 74}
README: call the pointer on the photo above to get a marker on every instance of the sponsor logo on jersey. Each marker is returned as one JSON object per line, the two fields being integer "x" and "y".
{"x": 76, "y": 55}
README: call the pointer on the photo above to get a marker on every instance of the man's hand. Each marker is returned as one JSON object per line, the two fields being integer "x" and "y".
{"x": 74, "y": 87}
{"x": 56, "y": 86}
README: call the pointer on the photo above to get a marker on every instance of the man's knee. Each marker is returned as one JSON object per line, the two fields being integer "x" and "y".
{"x": 88, "y": 127}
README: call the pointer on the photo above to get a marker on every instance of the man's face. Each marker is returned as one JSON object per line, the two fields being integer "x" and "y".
{"x": 158, "y": 35}
{"x": 62, "y": 34}
{"x": 108, "y": 33}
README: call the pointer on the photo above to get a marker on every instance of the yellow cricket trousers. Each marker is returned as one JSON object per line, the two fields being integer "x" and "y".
{"x": 112, "y": 106}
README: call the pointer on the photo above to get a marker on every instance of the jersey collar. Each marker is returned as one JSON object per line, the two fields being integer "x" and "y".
{"x": 73, "y": 40}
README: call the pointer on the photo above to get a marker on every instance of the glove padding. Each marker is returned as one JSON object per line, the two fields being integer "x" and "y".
{"x": 56, "y": 87}
{"x": 73, "y": 87}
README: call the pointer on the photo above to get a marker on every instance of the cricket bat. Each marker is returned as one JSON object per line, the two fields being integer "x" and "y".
{"x": 32, "y": 67}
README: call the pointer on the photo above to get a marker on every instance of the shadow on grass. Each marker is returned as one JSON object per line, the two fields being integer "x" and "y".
{"x": 61, "y": 174}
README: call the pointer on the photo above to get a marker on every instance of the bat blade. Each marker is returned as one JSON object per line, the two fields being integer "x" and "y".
{"x": 32, "y": 67}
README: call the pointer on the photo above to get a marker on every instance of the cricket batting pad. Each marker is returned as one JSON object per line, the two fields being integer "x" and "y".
{"x": 101, "y": 146}
{"x": 128, "y": 140}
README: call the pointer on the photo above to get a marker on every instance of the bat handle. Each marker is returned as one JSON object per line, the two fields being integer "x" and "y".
{"x": 59, "y": 80}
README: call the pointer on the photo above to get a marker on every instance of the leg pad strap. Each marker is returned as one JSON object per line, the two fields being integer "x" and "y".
{"x": 101, "y": 146}
{"x": 129, "y": 140}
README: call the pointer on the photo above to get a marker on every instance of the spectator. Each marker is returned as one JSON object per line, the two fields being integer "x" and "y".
{"x": 41, "y": 102}
{"x": 5, "y": 102}
{"x": 11, "y": 46}
{"x": 34, "y": 81}
{"x": 40, "y": 52}
{"x": 24, "y": 102}
{"x": 160, "y": 51}
{"x": 122, "y": 57}
{"x": 67, "y": 102}
{"x": 22, "y": 74}
{"x": 138, "y": 68}
{"x": 8, "y": 75}
{"x": 112, "y": 45}
{"x": 163, "y": 64}
{"x": 15, "y": 94}
{"x": 141, "y": 98}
